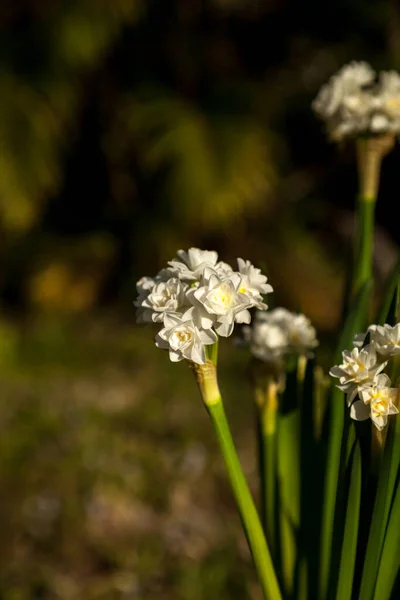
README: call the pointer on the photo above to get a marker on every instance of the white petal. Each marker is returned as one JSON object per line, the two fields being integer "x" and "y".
{"x": 379, "y": 421}
{"x": 162, "y": 338}
{"x": 382, "y": 380}
{"x": 171, "y": 319}
{"x": 175, "y": 356}
{"x": 243, "y": 317}
{"x": 336, "y": 372}
{"x": 208, "y": 336}
{"x": 224, "y": 329}
{"x": 359, "y": 411}
{"x": 198, "y": 354}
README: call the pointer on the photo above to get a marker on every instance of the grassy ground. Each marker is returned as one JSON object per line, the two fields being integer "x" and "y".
{"x": 111, "y": 484}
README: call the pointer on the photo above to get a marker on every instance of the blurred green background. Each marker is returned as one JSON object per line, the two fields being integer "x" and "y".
{"x": 129, "y": 129}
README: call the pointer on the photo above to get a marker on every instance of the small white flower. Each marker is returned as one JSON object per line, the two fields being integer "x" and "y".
{"x": 359, "y": 369}
{"x": 343, "y": 89}
{"x": 218, "y": 302}
{"x": 253, "y": 283}
{"x": 353, "y": 102}
{"x": 387, "y": 102}
{"x": 301, "y": 334}
{"x": 183, "y": 339}
{"x": 376, "y": 402}
{"x": 386, "y": 339}
{"x": 343, "y": 102}
{"x": 166, "y": 297}
{"x": 268, "y": 342}
{"x": 145, "y": 286}
{"x": 279, "y": 332}
{"x": 191, "y": 264}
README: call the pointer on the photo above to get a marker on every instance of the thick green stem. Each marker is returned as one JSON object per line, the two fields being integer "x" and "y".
{"x": 267, "y": 404}
{"x": 207, "y": 379}
{"x": 370, "y": 152}
{"x": 364, "y": 242}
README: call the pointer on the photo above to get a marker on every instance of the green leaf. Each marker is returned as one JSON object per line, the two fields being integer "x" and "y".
{"x": 336, "y": 434}
{"x": 288, "y": 465}
{"x": 356, "y": 321}
{"x": 390, "y": 557}
{"x": 391, "y": 298}
{"x": 310, "y": 491}
{"x": 247, "y": 510}
{"x": 386, "y": 487}
{"x": 349, "y": 547}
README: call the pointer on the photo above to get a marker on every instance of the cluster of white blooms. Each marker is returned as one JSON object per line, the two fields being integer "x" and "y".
{"x": 278, "y": 333}
{"x": 361, "y": 374}
{"x": 355, "y": 101}
{"x": 197, "y": 298}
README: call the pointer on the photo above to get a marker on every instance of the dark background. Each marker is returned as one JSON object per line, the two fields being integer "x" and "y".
{"x": 130, "y": 129}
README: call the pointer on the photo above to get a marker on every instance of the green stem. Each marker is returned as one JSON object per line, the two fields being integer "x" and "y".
{"x": 370, "y": 152}
{"x": 247, "y": 510}
{"x": 364, "y": 242}
{"x": 267, "y": 440}
{"x": 208, "y": 384}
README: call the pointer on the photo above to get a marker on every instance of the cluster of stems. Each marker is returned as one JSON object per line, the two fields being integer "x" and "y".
{"x": 261, "y": 532}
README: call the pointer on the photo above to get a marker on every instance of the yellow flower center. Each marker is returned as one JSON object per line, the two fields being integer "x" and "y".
{"x": 393, "y": 104}
{"x": 183, "y": 336}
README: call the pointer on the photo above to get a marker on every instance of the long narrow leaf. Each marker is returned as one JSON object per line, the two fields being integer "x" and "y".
{"x": 310, "y": 490}
{"x": 288, "y": 465}
{"x": 384, "y": 497}
{"x": 355, "y": 322}
{"x": 387, "y": 300}
{"x": 349, "y": 547}
{"x": 390, "y": 557}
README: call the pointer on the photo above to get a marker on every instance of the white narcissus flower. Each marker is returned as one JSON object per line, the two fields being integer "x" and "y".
{"x": 268, "y": 342}
{"x": 190, "y": 265}
{"x": 218, "y": 302}
{"x": 354, "y": 102}
{"x": 386, "y": 339}
{"x": 386, "y": 103}
{"x": 358, "y": 370}
{"x": 376, "y": 402}
{"x": 343, "y": 88}
{"x": 253, "y": 283}
{"x": 183, "y": 339}
{"x": 280, "y": 332}
{"x": 343, "y": 102}
{"x": 144, "y": 287}
{"x": 165, "y": 297}
{"x": 301, "y": 334}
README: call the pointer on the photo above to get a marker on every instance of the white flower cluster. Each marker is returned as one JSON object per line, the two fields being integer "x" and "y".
{"x": 361, "y": 374}
{"x": 197, "y": 298}
{"x": 355, "y": 101}
{"x": 278, "y": 333}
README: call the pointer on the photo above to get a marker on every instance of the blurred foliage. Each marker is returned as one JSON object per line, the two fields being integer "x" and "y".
{"x": 168, "y": 124}
{"x": 48, "y": 50}
{"x": 217, "y": 166}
